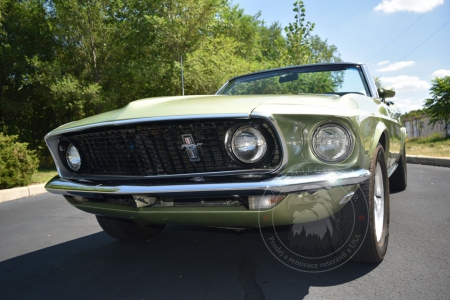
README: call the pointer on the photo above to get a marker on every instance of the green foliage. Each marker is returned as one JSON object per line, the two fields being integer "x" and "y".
{"x": 206, "y": 72}
{"x": 25, "y": 33}
{"x": 272, "y": 43}
{"x": 298, "y": 37}
{"x": 413, "y": 114}
{"x": 438, "y": 106}
{"x": 17, "y": 163}
{"x": 63, "y": 60}
{"x": 435, "y": 137}
{"x": 301, "y": 47}
{"x": 321, "y": 52}
{"x": 2, "y": 10}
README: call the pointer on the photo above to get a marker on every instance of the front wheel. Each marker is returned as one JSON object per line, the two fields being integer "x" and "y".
{"x": 364, "y": 221}
{"x": 127, "y": 230}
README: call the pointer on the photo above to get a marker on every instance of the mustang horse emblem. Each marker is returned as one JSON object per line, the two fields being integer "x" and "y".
{"x": 191, "y": 147}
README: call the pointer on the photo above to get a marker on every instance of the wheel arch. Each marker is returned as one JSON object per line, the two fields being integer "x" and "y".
{"x": 382, "y": 137}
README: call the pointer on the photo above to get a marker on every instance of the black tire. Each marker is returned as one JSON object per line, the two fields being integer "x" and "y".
{"x": 127, "y": 230}
{"x": 399, "y": 179}
{"x": 355, "y": 231}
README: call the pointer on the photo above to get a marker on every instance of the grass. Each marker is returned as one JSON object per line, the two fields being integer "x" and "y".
{"x": 43, "y": 175}
{"x": 434, "y": 145}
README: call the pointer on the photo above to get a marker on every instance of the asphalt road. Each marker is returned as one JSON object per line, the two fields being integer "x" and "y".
{"x": 50, "y": 250}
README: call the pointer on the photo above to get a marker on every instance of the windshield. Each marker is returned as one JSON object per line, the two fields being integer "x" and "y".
{"x": 338, "y": 80}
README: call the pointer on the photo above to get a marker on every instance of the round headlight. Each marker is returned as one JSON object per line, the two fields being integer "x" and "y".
{"x": 73, "y": 157}
{"x": 332, "y": 143}
{"x": 248, "y": 144}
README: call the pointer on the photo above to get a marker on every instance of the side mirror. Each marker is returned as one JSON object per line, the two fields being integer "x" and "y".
{"x": 386, "y": 93}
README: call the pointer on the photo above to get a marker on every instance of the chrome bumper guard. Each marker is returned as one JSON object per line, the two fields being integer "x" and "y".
{"x": 281, "y": 184}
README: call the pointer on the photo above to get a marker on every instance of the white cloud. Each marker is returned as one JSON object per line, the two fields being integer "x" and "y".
{"x": 417, "y": 6}
{"x": 407, "y": 104}
{"x": 396, "y": 66}
{"x": 381, "y": 63}
{"x": 405, "y": 83}
{"x": 440, "y": 73}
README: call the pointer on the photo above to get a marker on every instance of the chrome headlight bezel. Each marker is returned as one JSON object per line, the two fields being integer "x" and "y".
{"x": 344, "y": 130}
{"x": 64, "y": 148}
{"x": 73, "y": 158}
{"x": 230, "y": 137}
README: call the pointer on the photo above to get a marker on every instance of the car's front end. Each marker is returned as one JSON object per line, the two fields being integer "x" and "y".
{"x": 240, "y": 169}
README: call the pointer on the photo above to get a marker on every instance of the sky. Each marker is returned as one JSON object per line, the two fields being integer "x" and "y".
{"x": 404, "y": 42}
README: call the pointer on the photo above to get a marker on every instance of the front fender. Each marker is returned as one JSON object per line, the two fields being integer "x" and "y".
{"x": 380, "y": 129}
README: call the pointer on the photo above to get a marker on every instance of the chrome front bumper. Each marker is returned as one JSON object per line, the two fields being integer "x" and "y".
{"x": 281, "y": 184}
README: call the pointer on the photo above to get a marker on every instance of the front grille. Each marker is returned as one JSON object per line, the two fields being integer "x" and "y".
{"x": 152, "y": 149}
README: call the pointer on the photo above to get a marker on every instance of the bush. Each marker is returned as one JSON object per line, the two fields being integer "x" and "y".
{"x": 435, "y": 137}
{"x": 17, "y": 163}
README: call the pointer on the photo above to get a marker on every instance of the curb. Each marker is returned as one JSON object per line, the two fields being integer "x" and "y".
{"x": 21, "y": 192}
{"x": 32, "y": 190}
{"x": 428, "y": 160}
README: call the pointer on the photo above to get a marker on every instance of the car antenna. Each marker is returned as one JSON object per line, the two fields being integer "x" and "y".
{"x": 182, "y": 76}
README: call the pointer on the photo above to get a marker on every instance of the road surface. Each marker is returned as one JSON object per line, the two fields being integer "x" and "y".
{"x": 50, "y": 250}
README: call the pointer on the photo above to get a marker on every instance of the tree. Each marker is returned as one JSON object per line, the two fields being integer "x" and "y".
{"x": 25, "y": 33}
{"x": 2, "y": 10}
{"x": 231, "y": 21}
{"x": 321, "y": 52}
{"x": 438, "y": 106}
{"x": 63, "y": 60}
{"x": 272, "y": 42}
{"x": 298, "y": 37}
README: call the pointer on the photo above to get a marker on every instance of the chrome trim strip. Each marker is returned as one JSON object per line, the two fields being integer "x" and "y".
{"x": 217, "y": 93}
{"x": 142, "y": 120}
{"x": 282, "y": 184}
{"x": 370, "y": 82}
{"x": 205, "y": 174}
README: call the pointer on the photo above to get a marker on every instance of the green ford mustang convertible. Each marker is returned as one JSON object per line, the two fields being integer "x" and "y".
{"x": 314, "y": 144}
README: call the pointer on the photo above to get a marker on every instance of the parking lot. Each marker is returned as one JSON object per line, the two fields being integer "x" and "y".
{"x": 50, "y": 250}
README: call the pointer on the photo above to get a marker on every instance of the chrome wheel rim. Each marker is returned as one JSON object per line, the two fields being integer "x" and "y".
{"x": 378, "y": 200}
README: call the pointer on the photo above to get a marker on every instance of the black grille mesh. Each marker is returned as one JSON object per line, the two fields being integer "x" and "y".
{"x": 155, "y": 149}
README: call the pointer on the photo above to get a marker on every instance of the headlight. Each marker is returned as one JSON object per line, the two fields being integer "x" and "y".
{"x": 332, "y": 143}
{"x": 73, "y": 157}
{"x": 248, "y": 144}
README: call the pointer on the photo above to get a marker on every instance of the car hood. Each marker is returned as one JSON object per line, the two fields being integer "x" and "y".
{"x": 217, "y": 105}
